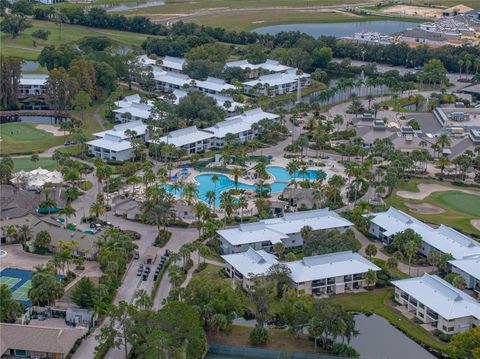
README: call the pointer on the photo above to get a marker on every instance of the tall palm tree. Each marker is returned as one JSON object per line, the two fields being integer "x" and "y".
{"x": 190, "y": 192}
{"x": 243, "y": 204}
{"x": 98, "y": 209}
{"x": 68, "y": 211}
{"x": 443, "y": 140}
{"x": 211, "y": 198}
{"x": 215, "y": 179}
{"x": 236, "y": 172}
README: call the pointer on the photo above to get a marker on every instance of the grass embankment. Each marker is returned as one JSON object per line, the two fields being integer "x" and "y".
{"x": 459, "y": 208}
{"x": 26, "y": 165}
{"x": 378, "y": 301}
{"x": 22, "y": 45}
{"x": 22, "y": 137}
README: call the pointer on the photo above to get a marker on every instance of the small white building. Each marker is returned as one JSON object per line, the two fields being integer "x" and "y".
{"x": 114, "y": 144}
{"x": 286, "y": 230}
{"x": 271, "y": 66}
{"x": 436, "y": 302}
{"x": 277, "y": 83}
{"x": 32, "y": 85}
{"x": 174, "y": 64}
{"x": 386, "y": 225}
{"x": 469, "y": 268}
{"x": 325, "y": 274}
{"x": 146, "y": 61}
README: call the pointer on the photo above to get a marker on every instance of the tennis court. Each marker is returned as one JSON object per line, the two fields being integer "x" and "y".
{"x": 22, "y": 292}
{"x": 19, "y": 282}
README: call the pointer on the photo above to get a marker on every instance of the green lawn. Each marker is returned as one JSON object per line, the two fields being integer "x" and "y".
{"x": 22, "y": 46}
{"x": 27, "y": 165}
{"x": 23, "y": 137}
{"x": 460, "y": 208}
{"x": 378, "y": 301}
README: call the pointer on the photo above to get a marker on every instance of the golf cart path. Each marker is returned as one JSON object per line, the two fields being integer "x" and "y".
{"x": 426, "y": 190}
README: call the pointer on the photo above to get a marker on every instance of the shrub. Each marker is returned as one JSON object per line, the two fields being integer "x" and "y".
{"x": 162, "y": 238}
{"x": 41, "y": 34}
{"x": 201, "y": 267}
{"x": 344, "y": 350}
{"x": 188, "y": 265}
{"x": 258, "y": 336}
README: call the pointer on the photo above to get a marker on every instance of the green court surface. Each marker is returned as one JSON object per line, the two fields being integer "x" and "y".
{"x": 22, "y": 292}
{"x": 9, "y": 281}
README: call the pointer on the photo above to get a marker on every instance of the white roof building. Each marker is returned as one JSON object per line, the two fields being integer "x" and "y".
{"x": 322, "y": 274}
{"x": 146, "y": 61}
{"x": 440, "y": 296}
{"x": 329, "y": 265}
{"x": 385, "y": 225}
{"x": 171, "y": 63}
{"x": 268, "y": 65}
{"x": 36, "y": 179}
{"x": 240, "y": 123}
{"x": 277, "y": 79}
{"x": 136, "y": 111}
{"x": 469, "y": 268}
{"x": 264, "y": 234}
{"x": 33, "y": 80}
{"x": 119, "y": 130}
{"x": 185, "y": 136}
{"x": 221, "y": 100}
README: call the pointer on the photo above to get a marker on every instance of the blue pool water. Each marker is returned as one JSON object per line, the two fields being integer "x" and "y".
{"x": 224, "y": 183}
{"x": 281, "y": 174}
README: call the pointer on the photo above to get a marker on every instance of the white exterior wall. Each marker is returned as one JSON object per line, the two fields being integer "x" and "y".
{"x": 110, "y": 155}
{"x": 471, "y": 281}
{"x": 421, "y": 312}
{"x": 32, "y": 90}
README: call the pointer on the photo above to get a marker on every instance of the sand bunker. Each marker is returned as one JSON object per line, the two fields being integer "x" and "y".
{"x": 476, "y": 223}
{"x": 427, "y": 189}
{"x": 50, "y": 129}
{"x": 413, "y": 11}
{"x": 424, "y": 208}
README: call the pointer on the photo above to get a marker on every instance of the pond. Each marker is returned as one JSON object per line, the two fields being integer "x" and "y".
{"x": 30, "y": 65}
{"x": 339, "y": 29}
{"x": 377, "y": 339}
{"x": 49, "y": 120}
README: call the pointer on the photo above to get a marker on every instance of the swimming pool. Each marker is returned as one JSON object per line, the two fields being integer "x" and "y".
{"x": 281, "y": 174}
{"x": 224, "y": 183}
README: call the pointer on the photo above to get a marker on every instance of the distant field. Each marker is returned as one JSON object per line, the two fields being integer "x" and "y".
{"x": 22, "y": 137}
{"x": 249, "y": 20}
{"x": 22, "y": 46}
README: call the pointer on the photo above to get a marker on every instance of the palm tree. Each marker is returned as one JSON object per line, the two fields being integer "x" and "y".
{"x": 370, "y": 278}
{"x": 215, "y": 179}
{"x": 68, "y": 211}
{"x": 443, "y": 162}
{"x": 242, "y": 204}
{"x": 10, "y": 232}
{"x": 459, "y": 282}
{"x": 236, "y": 172}
{"x": 190, "y": 192}
{"x": 98, "y": 209}
{"x": 443, "y": 140}
{"x": 227, "y": 203}
{"x": 305, "y": 233}
{"x": 371, "y": 250}
{"x": 279, "y": 248}
{"x": 211, "y": 198}
{"x": 338, "y": 121}
{"x": 24, "y": 234}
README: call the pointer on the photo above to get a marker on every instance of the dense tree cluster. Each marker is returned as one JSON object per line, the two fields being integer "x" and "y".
{"x": 323, "y": 242}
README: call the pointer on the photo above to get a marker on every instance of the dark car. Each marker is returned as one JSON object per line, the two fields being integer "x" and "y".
{"x": 147, "y": 269}
{"x": 167, "y": 252}
{"x": 155, "y": 277}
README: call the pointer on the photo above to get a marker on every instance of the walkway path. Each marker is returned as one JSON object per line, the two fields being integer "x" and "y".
{"x": 414, "y": 271}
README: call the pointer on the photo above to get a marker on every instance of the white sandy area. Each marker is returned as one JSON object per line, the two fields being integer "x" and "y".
{"x": 427, "y": 189}
{"x": 50, "y": 129}
{"x": 476, "y": 223}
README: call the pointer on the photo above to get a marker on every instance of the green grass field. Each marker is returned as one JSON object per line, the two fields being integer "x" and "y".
{"x": 27, "y": 165}
{"x": 23, "y": 137}
{"x": 378, "y": 301}
{"x": 22, "y": 46}
{"x": 460, "y": 208}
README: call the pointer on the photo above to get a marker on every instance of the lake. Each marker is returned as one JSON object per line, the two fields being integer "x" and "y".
{"x": 339, "y": 29}
{"x": 134, "y": 5}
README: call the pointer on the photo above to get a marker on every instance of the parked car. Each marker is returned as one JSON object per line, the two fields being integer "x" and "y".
{"x": 167, "y": 252}
{"x": 136, "y": 255}
{"x": 145, "y": 276}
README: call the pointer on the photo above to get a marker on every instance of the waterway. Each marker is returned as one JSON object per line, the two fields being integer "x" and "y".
{"x": 134, "y": 5}
{"x": 377, "y": 339}
{"x": 340, "y": 29}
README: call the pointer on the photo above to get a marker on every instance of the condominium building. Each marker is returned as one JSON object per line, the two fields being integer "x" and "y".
{"x": 469, "y": 268}
{"x": 32, "y": 85}
{"x": 325, "y": 274}
{"x": 434, "y": 301}
{"x": 265, "y": 234}
{"x": 277, "y": 83}
{"x": 386, "y": 225}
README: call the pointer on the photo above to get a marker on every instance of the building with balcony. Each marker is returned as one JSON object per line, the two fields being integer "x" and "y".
{"x": 437, "y": 303}
{"x": 266, "y": 233}
{"x": 276, "y": 84}
{"x": 191, "y": 139}
{"x": 32, "y": 85}
{"x": 469, "y": 268}
{"x": 385, "y": 225}
{"x": 326, "y": 274}
{"x": 269, "y": 66}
